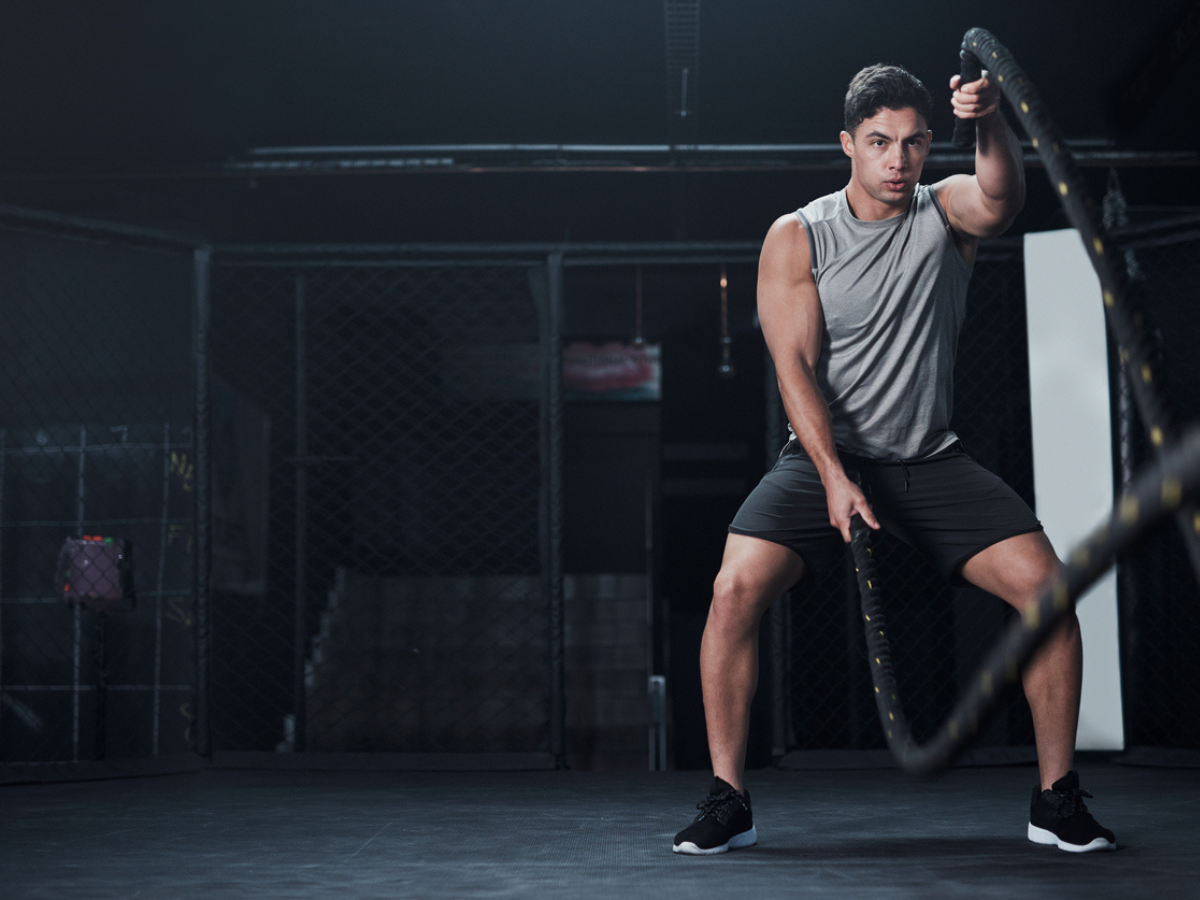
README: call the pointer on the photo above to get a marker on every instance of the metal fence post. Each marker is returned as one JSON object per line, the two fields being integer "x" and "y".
{"x": 202, "y": 510}
{"x": 552, "y": 486}
{"x": 302, "y": 462}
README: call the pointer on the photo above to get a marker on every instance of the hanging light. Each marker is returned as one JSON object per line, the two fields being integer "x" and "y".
{"x": 725, "y": 370}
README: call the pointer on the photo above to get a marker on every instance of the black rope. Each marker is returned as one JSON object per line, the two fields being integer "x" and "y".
{"x": 1170, "y": 487}
{"x": 1126, "y": 322}
{"x": 1153, "y": 495}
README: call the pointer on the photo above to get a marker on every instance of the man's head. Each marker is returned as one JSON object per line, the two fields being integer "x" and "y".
{"x": 887, "y": 136}
{"x": 885, "y": 87}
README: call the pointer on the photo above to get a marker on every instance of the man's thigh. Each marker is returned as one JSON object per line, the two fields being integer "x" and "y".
{"x": 788, "y": 507}
{"x": 948, "y": 506}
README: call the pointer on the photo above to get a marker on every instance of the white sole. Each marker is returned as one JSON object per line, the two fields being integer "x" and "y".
{"x": 745, "y": 839}
{"x": 1042, "y": 836}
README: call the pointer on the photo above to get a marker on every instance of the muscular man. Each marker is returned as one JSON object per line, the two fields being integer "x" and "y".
{"x": 861, "y": 295}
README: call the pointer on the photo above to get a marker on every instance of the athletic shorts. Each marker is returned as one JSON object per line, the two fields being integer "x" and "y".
{"x": 946, "y": 505}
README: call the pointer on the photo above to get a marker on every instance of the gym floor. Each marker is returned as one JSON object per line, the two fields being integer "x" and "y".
{"x": 870, "y": 833}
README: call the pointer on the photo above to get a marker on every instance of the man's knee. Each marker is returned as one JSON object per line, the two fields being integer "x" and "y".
{"x": 1029, "y": 575}
{"x": 1016, "y": 569}
{"x": 739, "y": 600}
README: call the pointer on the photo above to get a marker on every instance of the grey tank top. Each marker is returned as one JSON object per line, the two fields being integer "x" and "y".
{"x": 893, "y": 294}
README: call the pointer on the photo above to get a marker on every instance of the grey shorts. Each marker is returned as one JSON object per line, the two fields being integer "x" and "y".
{"x": 947, "y": 506}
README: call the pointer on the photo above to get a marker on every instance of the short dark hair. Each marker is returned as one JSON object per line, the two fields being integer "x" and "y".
{"x": 885, "y": 87}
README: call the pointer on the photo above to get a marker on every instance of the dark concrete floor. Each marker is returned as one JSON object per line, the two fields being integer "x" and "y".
{"x": 827, "y": 834}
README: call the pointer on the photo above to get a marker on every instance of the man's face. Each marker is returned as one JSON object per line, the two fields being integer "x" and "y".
{"x": 889, "y": 151}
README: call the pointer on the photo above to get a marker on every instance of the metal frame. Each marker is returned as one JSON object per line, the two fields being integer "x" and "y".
{"x": 554, "y": 259}
{"x": 683, "y": 154}
{"x": 76, "y": 228}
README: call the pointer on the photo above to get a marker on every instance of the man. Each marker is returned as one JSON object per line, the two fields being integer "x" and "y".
{"x": 861, "y": 295}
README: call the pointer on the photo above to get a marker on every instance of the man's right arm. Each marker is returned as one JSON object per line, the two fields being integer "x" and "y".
{"x": 789, "y": 310}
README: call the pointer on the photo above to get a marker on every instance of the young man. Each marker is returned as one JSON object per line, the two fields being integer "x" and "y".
{"x": 861, "y": 295}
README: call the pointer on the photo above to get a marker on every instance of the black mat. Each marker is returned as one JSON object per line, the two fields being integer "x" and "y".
{"x": 828, "y": 834}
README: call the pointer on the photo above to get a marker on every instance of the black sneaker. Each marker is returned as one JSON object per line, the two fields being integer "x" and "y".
{"x": 725, "y": 823}
{"x": 1059, "y": 816}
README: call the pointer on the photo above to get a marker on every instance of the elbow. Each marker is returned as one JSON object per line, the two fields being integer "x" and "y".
{"x": 1003, "y": 211}
{"x": 997, "y": 227}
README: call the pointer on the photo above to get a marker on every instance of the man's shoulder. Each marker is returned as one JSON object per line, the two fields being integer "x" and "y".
{"x": 786, "y": 246}
{"x": 939, "y": 189}
{"x": 822, "y": 208}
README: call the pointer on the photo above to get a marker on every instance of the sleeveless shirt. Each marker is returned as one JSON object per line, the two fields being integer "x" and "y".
{"x": 893, "y": 294}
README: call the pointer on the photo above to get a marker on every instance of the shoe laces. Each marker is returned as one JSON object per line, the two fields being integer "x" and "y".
{"x": 1068, "y": 803}
{"x": 722, "y": 805}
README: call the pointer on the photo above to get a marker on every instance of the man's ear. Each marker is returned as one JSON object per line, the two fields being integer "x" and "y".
{"x": 847, "y": 144}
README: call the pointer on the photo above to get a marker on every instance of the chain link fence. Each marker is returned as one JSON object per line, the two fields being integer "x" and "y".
{"x": 388, "y": 429}
{"x": 1160, "y": 598}
{"x": 938, "y": 632}
{"x": 96, "y": 440}
{"x": 384, "y": 509}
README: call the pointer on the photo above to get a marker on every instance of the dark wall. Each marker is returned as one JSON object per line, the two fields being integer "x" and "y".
{"x": 132, "y": 110}
{"x": 134, "y": 82}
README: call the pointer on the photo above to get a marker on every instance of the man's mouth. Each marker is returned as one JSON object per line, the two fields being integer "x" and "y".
{"x": 896, "y": 185}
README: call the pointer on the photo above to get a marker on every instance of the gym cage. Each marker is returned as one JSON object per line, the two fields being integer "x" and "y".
{"x": 1158, "y": 591}
{"x": 391, "y": 575}
{"x": 97, "y": 439}
{"x": 343, "y": 473}
{"x": 394, "y": 580}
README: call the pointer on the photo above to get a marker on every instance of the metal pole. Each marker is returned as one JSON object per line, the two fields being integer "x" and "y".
{"x": 301, "y": 610}
{"x": 156, "y": 713}
{"x": 3, "y": 467}
{"x": 656, "y": 683}
{"x": 201, "y": 559}
{"x": 77, "y": 644}
{"x": 101, "y": 704}
{"x": 552, "y": 469}
{"x": 79, "y": 475}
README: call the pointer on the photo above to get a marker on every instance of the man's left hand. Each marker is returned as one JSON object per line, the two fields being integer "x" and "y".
{"x": 975, "y": 99}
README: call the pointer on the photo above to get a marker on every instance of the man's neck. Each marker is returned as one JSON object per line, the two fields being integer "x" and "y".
{"x": 866, "y": 208}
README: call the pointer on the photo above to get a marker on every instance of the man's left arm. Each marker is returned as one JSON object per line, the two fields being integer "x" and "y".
{"x": 985, "y": 204}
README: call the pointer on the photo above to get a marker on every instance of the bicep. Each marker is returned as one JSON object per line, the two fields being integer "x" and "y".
{"x": 970, "y": 211}
{"x": 789, "y": 308}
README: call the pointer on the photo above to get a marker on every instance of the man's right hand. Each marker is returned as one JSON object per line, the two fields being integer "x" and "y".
{"x": 845, "y": 500}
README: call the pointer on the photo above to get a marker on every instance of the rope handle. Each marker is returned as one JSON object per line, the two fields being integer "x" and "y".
{"x": 971, "y": 70}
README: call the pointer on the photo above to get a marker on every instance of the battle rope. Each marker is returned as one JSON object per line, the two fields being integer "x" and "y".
{"x": 1127, "y": 324}
{"x": 1152, "y": 495}
{"x": 1169, "y": 488}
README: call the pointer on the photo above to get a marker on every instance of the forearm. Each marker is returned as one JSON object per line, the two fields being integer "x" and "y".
{"x": 808, "y": 414}
{"x": 999, "y": 164}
